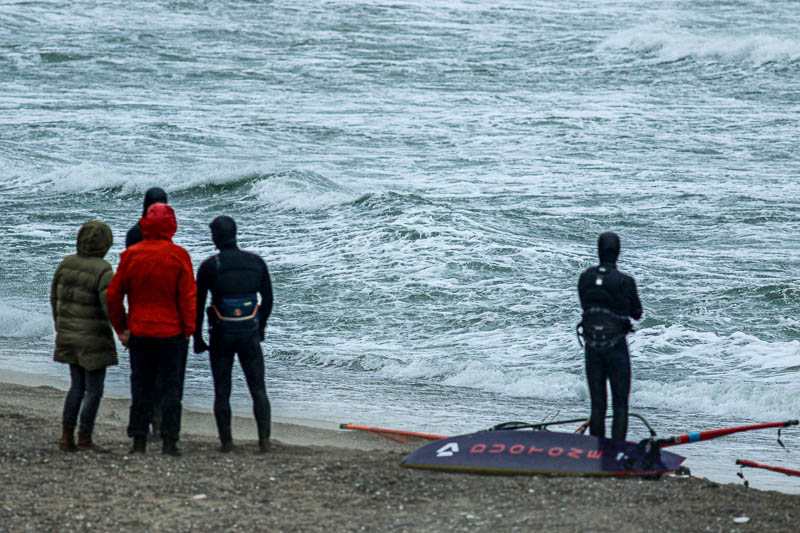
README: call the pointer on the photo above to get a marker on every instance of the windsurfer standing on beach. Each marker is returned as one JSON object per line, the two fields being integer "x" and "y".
{"x": 609, "y": 300}
{"x": 238, "y": 322}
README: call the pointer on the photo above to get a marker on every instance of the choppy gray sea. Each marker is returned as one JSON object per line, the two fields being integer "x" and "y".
{"x": 426, "y": 180}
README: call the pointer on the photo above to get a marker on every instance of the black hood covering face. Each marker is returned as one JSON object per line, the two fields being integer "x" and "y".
{"x": 223, "y": 231}
{"x": 608, "y": 247}
{"x": 154, "y": 195}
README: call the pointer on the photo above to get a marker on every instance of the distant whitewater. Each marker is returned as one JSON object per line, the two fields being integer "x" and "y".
{"x": 668, "y": 44}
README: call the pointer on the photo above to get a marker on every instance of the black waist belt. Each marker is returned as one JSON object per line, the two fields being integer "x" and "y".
{"x": 602, "y": 328}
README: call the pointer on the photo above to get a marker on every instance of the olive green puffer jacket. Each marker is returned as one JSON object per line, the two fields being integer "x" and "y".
{"x": 78, "y": 299}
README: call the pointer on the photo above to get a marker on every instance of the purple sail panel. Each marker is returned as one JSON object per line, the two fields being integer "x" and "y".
{"x": 541, "y": 452}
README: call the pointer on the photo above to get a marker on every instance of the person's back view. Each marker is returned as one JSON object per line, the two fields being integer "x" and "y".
{"x": 84, "y": 339}
{"x": 152, "y": 196}
{"x": 156, "y": 276}
{"x": 238, "y": 320}
{"x": 609, "y": 300}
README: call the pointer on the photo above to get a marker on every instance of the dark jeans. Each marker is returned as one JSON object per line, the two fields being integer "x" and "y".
{"x": 85, "y": 393}
{"x": 165, "y": 358}
{"x": 155, "y": 419}
{"x": 612, "y": 365}
{"x": 248, "y": 347}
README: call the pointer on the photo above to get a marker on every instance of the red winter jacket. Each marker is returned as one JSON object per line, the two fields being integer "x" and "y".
{"x": 158, "y": 279}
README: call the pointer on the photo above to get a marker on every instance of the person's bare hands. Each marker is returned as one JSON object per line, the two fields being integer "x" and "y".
{"x": 124, "y": 337}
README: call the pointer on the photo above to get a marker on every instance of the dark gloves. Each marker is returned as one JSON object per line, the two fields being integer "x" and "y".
{"x": 200, "y": 345}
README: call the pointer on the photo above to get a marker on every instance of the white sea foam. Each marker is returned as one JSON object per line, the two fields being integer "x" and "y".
{"x": 293, "y": 190}
{"x": 18, "y": 320}
{"x": 735, "y": 375}
{"x": 671, "y": 43}
{"x": 87, "y": 177}
{"x": 707, "y": 353}
{"x": 728, "y": 398}
{"x": 301, "y": 191}
{"x": 79, "y": 178}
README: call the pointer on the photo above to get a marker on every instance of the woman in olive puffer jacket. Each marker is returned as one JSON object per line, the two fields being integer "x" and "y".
{"x": 84, "y": 338}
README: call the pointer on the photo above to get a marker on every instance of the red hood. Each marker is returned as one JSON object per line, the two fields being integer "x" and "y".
{"x": 159, "y": 223}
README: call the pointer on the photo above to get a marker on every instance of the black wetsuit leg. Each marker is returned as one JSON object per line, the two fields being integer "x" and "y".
{"x": 596, "y": 378}
{"x": 619, "y": 377}
{"x": 221, "y": 358}
{"x": 612, "y": 364}
{"x": 252, "y": 360}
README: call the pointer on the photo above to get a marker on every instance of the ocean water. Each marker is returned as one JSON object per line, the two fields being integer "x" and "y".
{"x": 426, "y": 180}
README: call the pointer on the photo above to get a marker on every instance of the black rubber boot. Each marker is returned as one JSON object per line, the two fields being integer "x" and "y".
{"x": 170, "y": 447}
{"x": 155, "y": 424}
{"x": 263, "y": 442}
{"x": 139, "y": 445}
{"x": 227, "y": 446}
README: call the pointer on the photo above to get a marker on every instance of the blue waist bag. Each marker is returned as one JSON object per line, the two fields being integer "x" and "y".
{"x": 238, "y": 316}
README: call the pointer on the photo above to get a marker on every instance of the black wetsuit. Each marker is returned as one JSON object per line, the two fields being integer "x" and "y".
{"x": 607, "y": 295}
{"x": 152, "y": 196}
{"x": 235, "y": 273}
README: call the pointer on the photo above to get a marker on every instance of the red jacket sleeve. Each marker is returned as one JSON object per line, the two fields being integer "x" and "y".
{"x": 187, "y": 295}
{"x": 115, "y": 294}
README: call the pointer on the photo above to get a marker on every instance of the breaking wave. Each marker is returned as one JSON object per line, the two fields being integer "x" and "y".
{"x": 296, "y": 190}
{"x": 17, "y": 322}
{"x": 668, "y": 44}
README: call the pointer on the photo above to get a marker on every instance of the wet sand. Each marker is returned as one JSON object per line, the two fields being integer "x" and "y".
{"x": 319, "y": 478}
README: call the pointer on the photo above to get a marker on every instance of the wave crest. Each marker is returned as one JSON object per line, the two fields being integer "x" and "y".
{"x": 668, "y": 44}
{"x": 16, "y": 322}
{"x": 297, "y": 190}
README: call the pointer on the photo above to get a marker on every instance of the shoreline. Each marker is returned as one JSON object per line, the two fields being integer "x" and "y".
{"x": 300, "y": 431}
{"x": 318, "y": 479}
{"x": 194, "y": 421}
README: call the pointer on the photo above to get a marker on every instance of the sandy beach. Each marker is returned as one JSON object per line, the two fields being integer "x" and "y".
{"x": 321, "y": 479}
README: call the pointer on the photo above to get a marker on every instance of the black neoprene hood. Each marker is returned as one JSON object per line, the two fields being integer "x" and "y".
{"x": 154, "y": 195}
{"x": 223, "y": 231}
{"x": 608, "y": 247}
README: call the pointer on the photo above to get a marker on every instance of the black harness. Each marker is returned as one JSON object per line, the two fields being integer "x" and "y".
{"x": 236, "y": 315}
{"x": 601, "y": 328}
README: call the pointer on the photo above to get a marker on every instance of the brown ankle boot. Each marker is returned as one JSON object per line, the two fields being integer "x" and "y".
{"x": 67, "y": 443}
{"x": 85, "y": 444}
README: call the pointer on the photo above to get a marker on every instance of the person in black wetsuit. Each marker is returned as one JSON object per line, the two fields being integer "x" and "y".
{"x": 237, "y": 323}
{"x": 609, "y": 300}
{"x": 152, "y": 196}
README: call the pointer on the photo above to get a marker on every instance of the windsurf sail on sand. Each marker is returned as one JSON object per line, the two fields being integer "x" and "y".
{"x": 782, "y": 470}
{"x": 543, "y": 426}
{"x": 504, "y": 449}
{"x": 393, "y": 434}
{"x": 540, "y": 452}
{"x": 531, "y": 448}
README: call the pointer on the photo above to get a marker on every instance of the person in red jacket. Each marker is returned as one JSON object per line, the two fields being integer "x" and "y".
{"x": 157, "y": 277}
